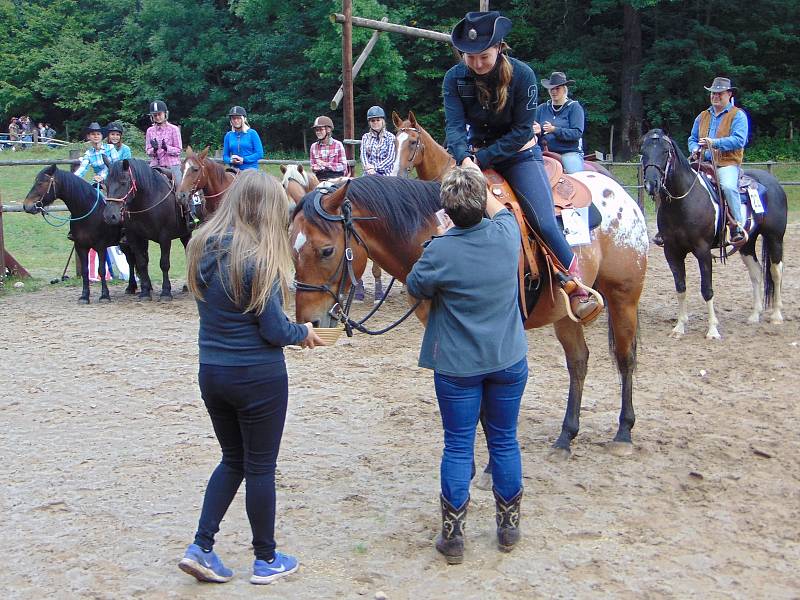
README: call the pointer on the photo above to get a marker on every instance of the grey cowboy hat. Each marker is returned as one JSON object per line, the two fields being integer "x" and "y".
{"x": 721, "y": 84}
{"x": 557, "y": 78}
{"x": 478, "y": 31}
{"x": 94, "y": 126}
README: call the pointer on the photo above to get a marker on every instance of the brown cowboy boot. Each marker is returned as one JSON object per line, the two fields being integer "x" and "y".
{"x": 584, "y": 306}
{"x": 737, "y": 234}
{"x": 451, "y": 541}
{"x": 507, "y": 517}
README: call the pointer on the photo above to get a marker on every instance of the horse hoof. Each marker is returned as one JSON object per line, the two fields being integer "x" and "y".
{"x": 776, "y": 319}
{"x": 559, "y": 455}
{"x": 484, "y": 482}
{"x": 145, "y": 298}
{"x": 83, "y": 301}
{"x": 620, "y": 448}
{"x": 166, "y": 298}
{"x": 675, "y": 335}
{"x": 130, "y": 291}
{"x": 713, "y": 335}
{"x": 105, "y": 299}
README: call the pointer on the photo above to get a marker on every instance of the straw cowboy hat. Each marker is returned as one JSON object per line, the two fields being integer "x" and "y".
{"x": 557, "y": 78}
{"x": 721, "y": 84}
{"x": 480, "y": 30}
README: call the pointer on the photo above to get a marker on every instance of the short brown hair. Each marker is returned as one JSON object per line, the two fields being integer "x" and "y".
{"x": 463, "y": 196}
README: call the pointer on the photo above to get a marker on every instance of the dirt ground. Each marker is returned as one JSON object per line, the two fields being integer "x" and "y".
{"x": 106, "y": 450}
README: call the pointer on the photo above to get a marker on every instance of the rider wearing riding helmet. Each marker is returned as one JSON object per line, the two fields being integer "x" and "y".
{"x": 377, "y": 145}
{"x": 328, "y": 159}
{"x": 94, "y": 154}
{"x": 490, "y": 108}
{"x": 163, "y": 141}
{"x": 242, "y": 146}
{"x": 118, "y": 150}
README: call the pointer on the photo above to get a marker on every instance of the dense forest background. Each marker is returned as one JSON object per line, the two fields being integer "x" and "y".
{"x": 638, "y": 63}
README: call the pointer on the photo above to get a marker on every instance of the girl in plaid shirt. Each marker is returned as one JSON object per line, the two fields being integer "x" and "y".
{"x": 327, "y": 154}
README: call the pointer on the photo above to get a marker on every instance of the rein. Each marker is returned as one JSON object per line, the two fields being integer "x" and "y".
{"x": 61, "y": 221}
{"x": 341, "y": 310}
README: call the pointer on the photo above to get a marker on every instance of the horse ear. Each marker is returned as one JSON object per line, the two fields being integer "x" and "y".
{"x": 299, "y": 168}
{"x": 204, "y": 153}
{"x": 332, "y": 201}
{"x": 412, "y": 118}
{"x": 283, "y": 169}
{"x": 189, "y": 150}
{"x": 125, "y": 164}
{"x": 51, "y": 170}
{"x": 398, "y": 122}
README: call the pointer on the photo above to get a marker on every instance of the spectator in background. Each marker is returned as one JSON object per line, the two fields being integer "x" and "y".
{"x": 50, "y": 133}
{"x": 560, "y": 122}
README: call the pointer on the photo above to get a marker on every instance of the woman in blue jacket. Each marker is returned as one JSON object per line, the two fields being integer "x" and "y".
{"x": 490, "y": 108}
{"x": 239, "y": 264}
{"x": 560, "y": 122}
{"x": 242, "y": 147}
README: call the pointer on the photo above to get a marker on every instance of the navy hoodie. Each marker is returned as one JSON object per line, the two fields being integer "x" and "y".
{"x": 230, "y": 337}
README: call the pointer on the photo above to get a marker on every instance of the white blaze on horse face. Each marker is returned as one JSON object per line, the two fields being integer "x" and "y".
{"x": 622, "y": 217}
{"x": 299, "y": 242}
{"x": 186, "y": 169}
{"x": 401, "y": 139}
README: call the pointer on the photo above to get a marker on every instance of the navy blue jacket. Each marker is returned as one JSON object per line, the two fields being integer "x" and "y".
{"x": 230, "y": 337}
{"x": 470, "y": 275}
{"x": 499, "y": 136}
{"x": 569, "y": 122}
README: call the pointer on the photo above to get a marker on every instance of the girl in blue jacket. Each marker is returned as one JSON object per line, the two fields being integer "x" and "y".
{"x": 242, "y": 147}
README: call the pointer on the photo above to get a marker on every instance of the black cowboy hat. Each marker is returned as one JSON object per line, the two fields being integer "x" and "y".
{"x": 557, "y": 78}
{"x": 480, "y": 30}
{"x": 721, "y": 84}
{"x": 94, "y": 126}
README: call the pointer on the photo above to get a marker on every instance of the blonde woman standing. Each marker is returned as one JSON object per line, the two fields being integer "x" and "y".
{"x": 239, "y": 264}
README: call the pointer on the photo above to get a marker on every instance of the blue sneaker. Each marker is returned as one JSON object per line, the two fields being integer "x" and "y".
{"x": 204, "y": 566}
{"x": 283, "y": 565}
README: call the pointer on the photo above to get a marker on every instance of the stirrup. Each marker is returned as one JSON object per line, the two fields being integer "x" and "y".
{"x": 592, "y": 292}
{"x": 741, "y": 242}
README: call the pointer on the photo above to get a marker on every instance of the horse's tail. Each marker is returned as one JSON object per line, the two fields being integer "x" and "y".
{"x": 766, "y": 271}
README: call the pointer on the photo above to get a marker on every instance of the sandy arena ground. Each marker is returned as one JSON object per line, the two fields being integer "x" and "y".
{"x": 107, "y": 447}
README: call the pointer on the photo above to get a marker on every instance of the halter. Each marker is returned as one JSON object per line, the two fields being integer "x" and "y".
{"x": 416, "y": 149}
{"x": 664, "y": 173}
{"x": 341, "y": 311}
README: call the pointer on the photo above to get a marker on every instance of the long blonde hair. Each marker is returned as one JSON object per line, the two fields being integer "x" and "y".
{"x": 496, "y": 92}
{"x": 253, "y": 215}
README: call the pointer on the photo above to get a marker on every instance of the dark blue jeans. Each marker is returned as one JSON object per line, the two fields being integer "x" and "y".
{"x": 460, "y": 401}
{"x": 526, "y": 176}
{"x": 247, "y": 406}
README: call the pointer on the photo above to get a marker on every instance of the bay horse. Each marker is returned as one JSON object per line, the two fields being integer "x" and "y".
{"x": 203, "y": 175}
{"x": 297, "y": 182}
{"x": 416, "y": 148}
{"x": 144, "y": 200}
{"x": 87, "y": 228}
{"x": 388, "y": 218}
{"x": 687, "y": 219}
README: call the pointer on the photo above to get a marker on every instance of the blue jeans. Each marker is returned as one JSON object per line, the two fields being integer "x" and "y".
{"x": 460, "y": 401}
{"x": 526, "y": 176}
{"x": 572, "y": 162}
{"x": 729, "y": 182}
{"x": 247, "y": 406}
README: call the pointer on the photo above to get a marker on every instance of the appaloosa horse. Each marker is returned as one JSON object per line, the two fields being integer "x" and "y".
{"x": 203, "y": 175}
{"x": 86, "y": 225}
{"x": 388, "y": 218}
{"x": 688, "y": 219}
{"x": 143, "y": 199}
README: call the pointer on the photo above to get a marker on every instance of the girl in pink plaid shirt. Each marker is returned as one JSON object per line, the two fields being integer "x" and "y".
{"x": 327, "y": 154}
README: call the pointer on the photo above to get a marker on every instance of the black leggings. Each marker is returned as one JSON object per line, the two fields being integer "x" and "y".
{"x": 247, "y": 406}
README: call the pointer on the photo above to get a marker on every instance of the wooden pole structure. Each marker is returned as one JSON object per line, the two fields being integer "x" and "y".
{"x": 347, "y": 75}
{"x": 359, "y": 63}
{"x": 427, "y": 34}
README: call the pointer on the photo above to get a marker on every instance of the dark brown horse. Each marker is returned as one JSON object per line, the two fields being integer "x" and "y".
{"x": 416, "y": 149}
{"x": 203, "y": 175}
{"x": 401, "y": 217}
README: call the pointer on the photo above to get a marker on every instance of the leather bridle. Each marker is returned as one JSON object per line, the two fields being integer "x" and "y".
{"x": 665, "y": 171}
{"x": 417, "y": 148}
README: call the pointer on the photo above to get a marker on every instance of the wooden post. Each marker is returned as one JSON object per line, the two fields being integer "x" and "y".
{"x": 640, "y": 186}
{"x": 347, "y": 74}
{"x": 359, "y": 63}
{"x": 484, "y": 5}
{"x": 416, "y": 32}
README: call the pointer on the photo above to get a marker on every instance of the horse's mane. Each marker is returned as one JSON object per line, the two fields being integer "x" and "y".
{"x": 146, "y": 177}
{"x": 402, "y": 205}
{"x": 71, "y": 186}
{"x": 679, "y": 155}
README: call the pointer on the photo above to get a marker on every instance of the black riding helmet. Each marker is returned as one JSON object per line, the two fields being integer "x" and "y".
{"x": 237, "y": 111}
{"x": 115, "y": 126}
{"x": 158, "y": 106}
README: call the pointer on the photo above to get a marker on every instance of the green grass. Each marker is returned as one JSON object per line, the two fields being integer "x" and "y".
{"x": 43, "y": 249}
